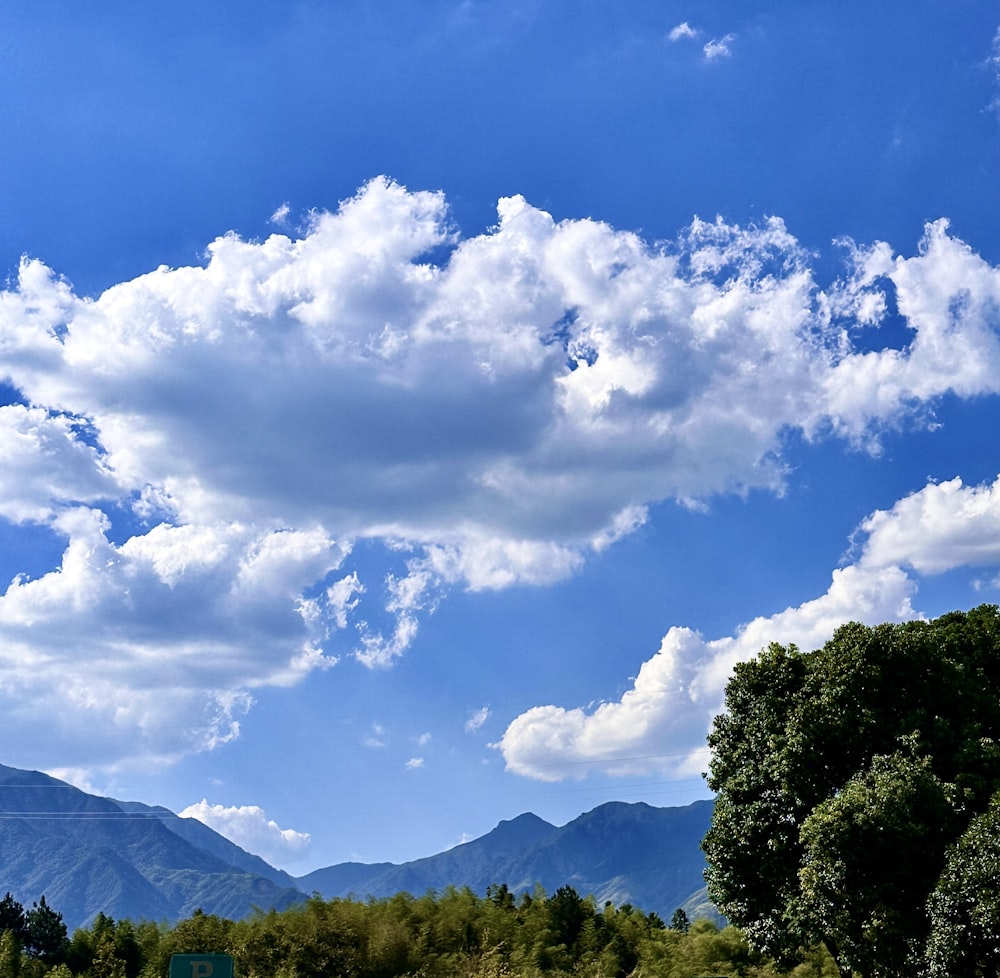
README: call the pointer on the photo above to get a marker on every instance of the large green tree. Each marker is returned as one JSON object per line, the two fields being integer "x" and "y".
{"x": 842, "y": 776}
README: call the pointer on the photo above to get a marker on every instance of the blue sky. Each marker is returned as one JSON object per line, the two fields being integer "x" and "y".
{"x": 412, "y": 411}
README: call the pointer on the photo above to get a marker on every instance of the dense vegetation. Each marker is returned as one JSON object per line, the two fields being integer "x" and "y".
{"x": 455, "y": 934}
{"x": 858, "y": 799}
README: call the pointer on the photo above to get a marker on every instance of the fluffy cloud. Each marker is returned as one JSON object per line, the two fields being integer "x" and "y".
{"x": 157, "y": 642}
{"x": 250, "y": 828}
{"x": 47, "y": 463}
{"x": 679, "y": 690}
{"x": 211, "y": 442}
{"x": 941, "y": 527}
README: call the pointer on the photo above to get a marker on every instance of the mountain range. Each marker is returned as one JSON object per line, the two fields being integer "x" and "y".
{"x": 88, "y": 854}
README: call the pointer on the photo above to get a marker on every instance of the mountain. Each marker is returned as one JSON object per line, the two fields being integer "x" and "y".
{"x": 88, "y": 854}
{"x": 201, "y": 836}
{"x": 627, "y": 853}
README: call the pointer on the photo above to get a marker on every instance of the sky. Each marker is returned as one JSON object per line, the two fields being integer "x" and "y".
{"x": 411, "y": 411}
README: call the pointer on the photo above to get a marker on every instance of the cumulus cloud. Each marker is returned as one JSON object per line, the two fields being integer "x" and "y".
{"x": 943, "y": 526}
{"x": 47, "y": 464}
{"x": 250, "y": 828}
{"x": 680, "y": 689}
{"x": 210, "y": 443}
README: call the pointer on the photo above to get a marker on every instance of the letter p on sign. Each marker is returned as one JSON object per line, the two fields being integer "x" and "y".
{"x": 201, "y": 966}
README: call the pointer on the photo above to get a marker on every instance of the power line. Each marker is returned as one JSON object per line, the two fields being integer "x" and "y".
{"x": 98, "y": 816}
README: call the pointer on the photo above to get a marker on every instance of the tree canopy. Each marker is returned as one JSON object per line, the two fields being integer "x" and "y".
{"x": 452, "y": 934}
{"x": 844, "y": 778}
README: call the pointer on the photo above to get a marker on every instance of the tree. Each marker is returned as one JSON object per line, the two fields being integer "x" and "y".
{"x": 12, "y": 918}
{"x": 10, "y": 954}
{"x": 679, "y": 921}
{"x": 47, "y": 938}
{"x": 964, "y": 907}
{"x": 812, "y": 758}
{"x": 871, "y": 854}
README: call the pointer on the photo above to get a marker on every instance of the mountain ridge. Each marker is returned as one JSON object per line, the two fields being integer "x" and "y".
{"x": 623, "y": 852}
{"x": 90, "y": 854}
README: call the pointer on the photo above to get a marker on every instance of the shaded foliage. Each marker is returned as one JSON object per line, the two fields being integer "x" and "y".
{"x": 965, "y": 905}
{"x": 843, "y": 775}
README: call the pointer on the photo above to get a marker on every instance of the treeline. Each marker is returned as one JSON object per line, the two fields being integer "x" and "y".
{"x": 454, "y": 934}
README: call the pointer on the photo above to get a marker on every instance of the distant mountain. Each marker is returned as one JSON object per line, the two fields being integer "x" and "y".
{"x": 626, "y": 853}
{"x": 88, "y": 854}
{"x": 200, "y": 835}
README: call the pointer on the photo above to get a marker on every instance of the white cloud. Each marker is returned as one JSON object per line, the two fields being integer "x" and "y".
{"x": 682, "y": 30}
{"x": 719, "y": 47}
{"x": 680, "y": 689}
{"x": 45, "y": 464}
{"x": 941, "y": 527}
{"x": 344, "y": 596}
{"x": 478, "y": 718}
{"x": 414, "y": 763}
{"x": 490, "y": 420}
{"x": 250, "y": 828}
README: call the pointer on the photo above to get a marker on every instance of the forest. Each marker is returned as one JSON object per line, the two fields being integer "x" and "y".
{"x": 452, "y": 934}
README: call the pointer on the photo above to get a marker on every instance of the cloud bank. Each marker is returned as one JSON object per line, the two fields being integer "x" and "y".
{"x": 210, "y": 443}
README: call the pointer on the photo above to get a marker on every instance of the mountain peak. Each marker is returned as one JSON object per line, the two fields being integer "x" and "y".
{"x": 620, "y": 851}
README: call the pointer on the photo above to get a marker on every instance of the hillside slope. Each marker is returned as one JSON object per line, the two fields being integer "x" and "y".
{"x": 88, "y": 854}
{"x": 626, "y": 853}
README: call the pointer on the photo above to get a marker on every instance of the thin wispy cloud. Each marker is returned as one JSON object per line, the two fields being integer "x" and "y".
{"x": 681, "y": 31}
{"x": 720, "y": 47}
{"x": 476, "y": 721}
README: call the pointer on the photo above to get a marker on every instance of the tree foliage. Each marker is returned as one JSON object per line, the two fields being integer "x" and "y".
{"x": 843, "y": 775}
{"x": 452, "y": 934}
{"x": 13, "y": 919}
{"x": 965, "y": 905}
{"x": 46, "y": 937}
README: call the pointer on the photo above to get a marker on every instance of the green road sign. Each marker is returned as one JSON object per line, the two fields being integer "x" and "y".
{"x": 201, "y": 966}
